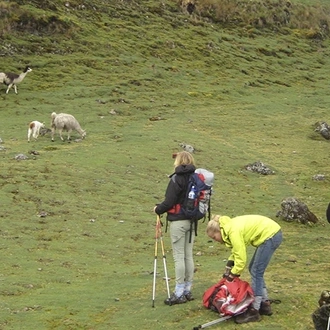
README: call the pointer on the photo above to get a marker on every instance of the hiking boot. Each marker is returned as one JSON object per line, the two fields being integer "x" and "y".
{"x": 189, "y": 296}
{"x": 265, "y": 308}
{"x": 250, "y": 315}
{"x": 173, "y": 300}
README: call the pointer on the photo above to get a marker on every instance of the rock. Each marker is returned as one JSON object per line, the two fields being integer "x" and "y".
{"x": 187, "y": 147}
{"x": 21, "y": 157}
{"x": 44, "y": 131}
{"x": 34, "y": 152}
{"x": 295, "y": 210}
{"x": 101, "y": 101}
{"x": 319, "y": 177}
{"x": 259, "y": 167}
{"x": 155, "y": 118}
{"x": 323, "y": 128}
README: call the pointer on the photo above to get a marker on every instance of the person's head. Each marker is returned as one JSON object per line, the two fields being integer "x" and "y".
{"x": 184, "y": 158}
{"x": 213, "y": 229}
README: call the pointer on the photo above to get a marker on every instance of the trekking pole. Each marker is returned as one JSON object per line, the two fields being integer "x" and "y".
{"x": 328, "y": 327}
{"x": 159, "y": 236}
{"x": 164, "y": 256}
{"x": 155, "y": 269}
{"x": 208, "y": 324}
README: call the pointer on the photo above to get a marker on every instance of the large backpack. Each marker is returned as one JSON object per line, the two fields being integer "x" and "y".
{"x": 228, "y": 298}
{"x": 197, "y": 201}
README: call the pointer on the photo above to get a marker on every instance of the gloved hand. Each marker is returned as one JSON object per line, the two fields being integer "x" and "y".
{"x": 230, "y": 263}
{"x": 230, "y": 277}
{"x": 229, "y": 266}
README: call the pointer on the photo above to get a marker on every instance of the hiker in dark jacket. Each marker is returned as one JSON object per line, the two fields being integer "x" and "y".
{"x": 180, "y": 228}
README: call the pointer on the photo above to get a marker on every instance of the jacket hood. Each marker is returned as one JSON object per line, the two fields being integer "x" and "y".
{"x": 223, "y": 220}
{"x": 185, "y": 169}
{"x": 224, "y": 228}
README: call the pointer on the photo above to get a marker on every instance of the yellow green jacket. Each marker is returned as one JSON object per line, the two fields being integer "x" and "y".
{"x": 239, "y": 232}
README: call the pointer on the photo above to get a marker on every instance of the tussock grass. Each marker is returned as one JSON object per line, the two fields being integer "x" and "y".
{"x": 236, "y": 96}
{"x": 311, "y": 20}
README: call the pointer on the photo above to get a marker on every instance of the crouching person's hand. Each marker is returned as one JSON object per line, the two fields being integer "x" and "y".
{"x": 230, "y": 277}
{"x": 229, "y": 266}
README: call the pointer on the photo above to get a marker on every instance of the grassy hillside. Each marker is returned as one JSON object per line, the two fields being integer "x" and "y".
{"x": 77, "y": 228}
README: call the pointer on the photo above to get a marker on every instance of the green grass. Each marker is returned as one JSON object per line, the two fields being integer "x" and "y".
{"x": 238, "y": 96}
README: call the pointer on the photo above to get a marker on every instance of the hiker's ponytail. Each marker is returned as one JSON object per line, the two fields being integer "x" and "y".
{"x": 213, "y": 226}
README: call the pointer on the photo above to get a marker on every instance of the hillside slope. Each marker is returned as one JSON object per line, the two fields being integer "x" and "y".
{"x": 161, "y": 38}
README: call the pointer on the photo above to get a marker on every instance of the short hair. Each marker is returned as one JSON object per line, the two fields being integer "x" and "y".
{"x": 184, "y": 158}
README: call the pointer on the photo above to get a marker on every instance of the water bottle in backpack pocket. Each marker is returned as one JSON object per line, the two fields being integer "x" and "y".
{"x": 191, "y": 200}
{"x": 196, "y": 202}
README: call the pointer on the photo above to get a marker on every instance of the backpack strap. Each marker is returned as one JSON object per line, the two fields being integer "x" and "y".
{"x": 190, "y": 232}
{"x": 171, "y": 175}
{"x": 209, "y": 206}
{"x": 195, "y": 223}
{"x": 166, "y": 225}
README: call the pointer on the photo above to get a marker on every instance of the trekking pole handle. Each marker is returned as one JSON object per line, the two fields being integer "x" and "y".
{"x": 158, "y": 227}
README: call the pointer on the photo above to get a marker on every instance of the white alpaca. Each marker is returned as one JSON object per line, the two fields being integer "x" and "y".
{"x": 64, "y": 121}
{"x": 11, "y": 79}
{"x": 34, "y": 129}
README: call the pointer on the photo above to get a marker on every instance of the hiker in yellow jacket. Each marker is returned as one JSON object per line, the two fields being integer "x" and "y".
{"x": 237, "y": 233}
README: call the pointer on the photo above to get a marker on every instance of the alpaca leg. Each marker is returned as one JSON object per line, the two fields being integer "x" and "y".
{"x": 15, "y": 88}
{"x": 36, "y": 133}
{"x": 69, "y": 134}
{"x": 60, "y": 133}
{"x": 29, "y": 134}
{"x": 53, "y": 132}
{"x": 9, "y": 87}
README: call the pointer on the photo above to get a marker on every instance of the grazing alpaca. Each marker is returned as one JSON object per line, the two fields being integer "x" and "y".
{"x": 63, "y": 121}
{"x": 34, "y": 129}
{"x": 11, "y": 79}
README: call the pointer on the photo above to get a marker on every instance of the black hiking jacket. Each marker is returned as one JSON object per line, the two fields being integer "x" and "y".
{"x": 175, "y": 192}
